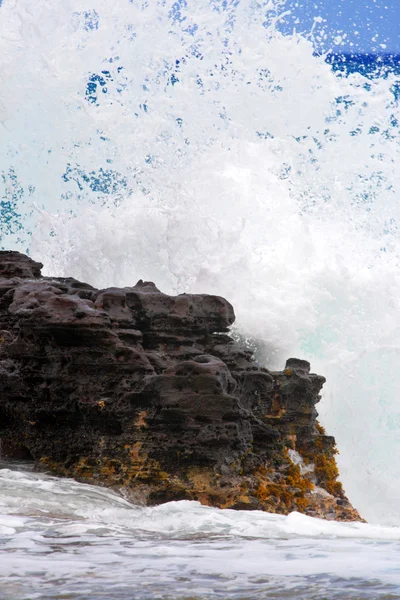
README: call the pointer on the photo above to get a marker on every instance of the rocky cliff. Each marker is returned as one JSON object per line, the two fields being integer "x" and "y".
{"x": 135, "y": 389}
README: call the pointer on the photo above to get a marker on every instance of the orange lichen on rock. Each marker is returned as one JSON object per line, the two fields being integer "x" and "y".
{"x": 141, "y": 419}
{"x": 288, "y": 492}
{"x": 321, "y": 453}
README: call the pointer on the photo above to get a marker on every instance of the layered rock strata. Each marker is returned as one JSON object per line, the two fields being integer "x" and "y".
{"x": 146, "y": 392}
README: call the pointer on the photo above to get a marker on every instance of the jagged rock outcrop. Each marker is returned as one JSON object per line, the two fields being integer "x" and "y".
{"x": 139, "y": 390}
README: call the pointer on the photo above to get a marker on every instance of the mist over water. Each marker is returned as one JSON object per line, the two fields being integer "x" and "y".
{"x": 196, "y": 145}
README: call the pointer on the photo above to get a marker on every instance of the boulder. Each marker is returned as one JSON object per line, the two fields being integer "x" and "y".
{"x": 148, "y": 393}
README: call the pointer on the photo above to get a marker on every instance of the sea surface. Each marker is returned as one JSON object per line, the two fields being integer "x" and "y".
{"x": 204, "y": 147}
{"x": 63, "y": 539}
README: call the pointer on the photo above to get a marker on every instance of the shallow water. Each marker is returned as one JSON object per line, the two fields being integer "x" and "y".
{"x": 62, "y": 539}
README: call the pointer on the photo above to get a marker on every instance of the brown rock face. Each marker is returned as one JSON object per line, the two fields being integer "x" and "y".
{"x": 139, "y": 390}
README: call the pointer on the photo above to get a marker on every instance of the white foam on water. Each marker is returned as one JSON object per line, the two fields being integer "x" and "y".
{"x": 201, "y": 148}
{"x": 79, "y": 508}
{"x": 62, "y": 537}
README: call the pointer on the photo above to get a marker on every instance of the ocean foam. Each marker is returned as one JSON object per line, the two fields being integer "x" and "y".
{"x": 60, "y": 537}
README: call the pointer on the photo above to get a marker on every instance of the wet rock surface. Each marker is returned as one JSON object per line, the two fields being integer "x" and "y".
{"x": 139, "y": 390}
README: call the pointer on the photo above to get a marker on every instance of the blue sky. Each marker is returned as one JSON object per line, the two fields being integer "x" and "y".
{"x": 369, "y": 25}
{"x": 351, "y": 25}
